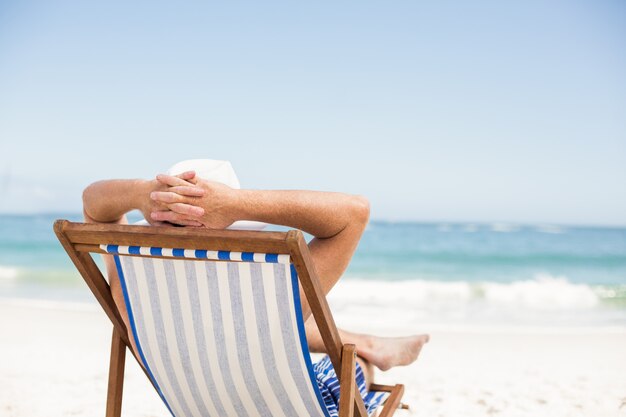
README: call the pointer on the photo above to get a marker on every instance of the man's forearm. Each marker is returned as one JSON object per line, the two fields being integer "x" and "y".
{"x": 108, "y": 201}
{"x": 322, "y": 214}
{"x": 336, "y": 220}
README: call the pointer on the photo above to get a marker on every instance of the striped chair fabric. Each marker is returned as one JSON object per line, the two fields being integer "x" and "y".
{"x": 222, "y": 336}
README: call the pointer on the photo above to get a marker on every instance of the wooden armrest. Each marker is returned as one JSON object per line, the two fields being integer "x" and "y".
{"x": 347, "y": 381}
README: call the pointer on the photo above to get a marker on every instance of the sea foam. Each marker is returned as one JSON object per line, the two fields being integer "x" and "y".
{"x": 545, "y": 299}
{"x": 8, "y": 272}
{"x": 544, "y": 292}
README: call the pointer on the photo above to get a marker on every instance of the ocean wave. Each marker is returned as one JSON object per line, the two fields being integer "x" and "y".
{"x": 544, "y": 301}
{"x": 542, "y": 293}
{"x": 14, "y": 275}
{"x": 505, "y": 227}
{"x": 550, "y": 228}
{"x": 545, "y": 292}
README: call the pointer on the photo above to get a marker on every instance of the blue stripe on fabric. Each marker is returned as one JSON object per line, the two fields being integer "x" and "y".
{"x": 329, "y": 387}
{"x": 372, "y": 400}
{"x": 179, "y": 252}
{"x": 271, "y": 258}
{"x": 181, "y": 337}
{"x": 156, "y": 251}
{"x": 326, "y": 378}
{"x": 247, "y": 256}
{"x": 120, "y": 273}
{"x": 112, "y": 248}
{"x": 133, "y": 250}
{"x": 324, "y": 373}
{"x": 200, "y": 253}
{"x": 302, "y": 333}
{"x": 223, "y": 255}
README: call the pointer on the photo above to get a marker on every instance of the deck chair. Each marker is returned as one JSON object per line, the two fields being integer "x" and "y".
{"x": 217, "y": 319}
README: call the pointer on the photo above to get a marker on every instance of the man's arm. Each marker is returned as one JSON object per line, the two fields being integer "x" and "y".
{"x": 108, "y": 201}
{"x": 335, "y": 220}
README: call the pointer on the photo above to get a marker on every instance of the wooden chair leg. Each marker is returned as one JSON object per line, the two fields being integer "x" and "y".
{"x": 116, "y": 376}
{"x": 347, "y": 388}
{"x": 393, "y": 401}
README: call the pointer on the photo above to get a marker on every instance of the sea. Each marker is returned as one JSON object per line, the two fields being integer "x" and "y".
{"x": 450, "y": 273}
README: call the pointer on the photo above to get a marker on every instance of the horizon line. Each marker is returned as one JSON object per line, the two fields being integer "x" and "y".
{"x": 517, "y": 223}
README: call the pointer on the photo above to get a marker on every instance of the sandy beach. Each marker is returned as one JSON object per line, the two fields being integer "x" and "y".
{"x": 55, "y": 358}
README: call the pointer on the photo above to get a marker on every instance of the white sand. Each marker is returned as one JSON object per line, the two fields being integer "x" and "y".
{"x": 54, "y": 362}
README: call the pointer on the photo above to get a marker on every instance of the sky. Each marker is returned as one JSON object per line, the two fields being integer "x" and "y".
{"x": 482, "y": 111}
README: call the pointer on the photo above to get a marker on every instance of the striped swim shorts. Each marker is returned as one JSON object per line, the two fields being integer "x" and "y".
{"x": 328, "y": 384}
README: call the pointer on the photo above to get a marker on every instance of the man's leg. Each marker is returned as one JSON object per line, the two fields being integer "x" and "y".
{"x": 368, "y": 371}
{"x": 382, "y": 352}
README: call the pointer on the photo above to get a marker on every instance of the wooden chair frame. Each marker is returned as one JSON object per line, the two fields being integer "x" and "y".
{"x": 80, "y": 240}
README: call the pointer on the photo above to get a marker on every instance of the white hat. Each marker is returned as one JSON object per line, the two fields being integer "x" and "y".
{"x": 220, "y": 171}
{"x": 208, "y": 169}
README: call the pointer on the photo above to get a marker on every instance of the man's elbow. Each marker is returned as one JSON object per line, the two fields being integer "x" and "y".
{"x": 360, "y": 209}
{"x": 88, "y": 201}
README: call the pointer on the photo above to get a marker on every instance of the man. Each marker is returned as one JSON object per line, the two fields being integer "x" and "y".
{"x": 336, "y": 221}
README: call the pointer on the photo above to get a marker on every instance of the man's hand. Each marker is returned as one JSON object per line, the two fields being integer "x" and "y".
{"x": 184, "y": 186}
{"x": 208, "y": 203}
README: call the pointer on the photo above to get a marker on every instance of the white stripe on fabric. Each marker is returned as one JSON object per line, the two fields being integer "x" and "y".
{"x": 218, "y": 328}
{"x": 211, "y": 254}
{"x": 230, "y": 340}
{"x": 279, "y": 299}
{"x": 145, "y": 322}
{"x": 197, "y": 323}
{"x": 132, "y": 296}
{"x": 154, "y": 357}
{"x": 211, "y": 351}
{"x": 243, "y": 348}
{"x": 266, "y": 343}
{"x": 284, "y": 259}
{"x": 184, "y": 299}
{"x": 279, "y": 348}
{"x": 254, "y": 345}
{"x": 295, "y": 333}
{"x": 170, "y": 333}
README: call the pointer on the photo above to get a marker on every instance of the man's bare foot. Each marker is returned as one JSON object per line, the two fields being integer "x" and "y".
{"x": 387, "y": 352}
